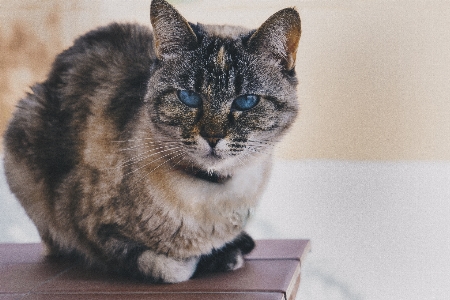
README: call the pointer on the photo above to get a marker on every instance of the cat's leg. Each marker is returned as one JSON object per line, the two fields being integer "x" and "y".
{"x": 122, "y": 255}
{"x": 229, "y": 257}
{"x": 50, "y": 249}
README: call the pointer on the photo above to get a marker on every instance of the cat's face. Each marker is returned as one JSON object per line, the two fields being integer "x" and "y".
{"x": 219, "y": 99}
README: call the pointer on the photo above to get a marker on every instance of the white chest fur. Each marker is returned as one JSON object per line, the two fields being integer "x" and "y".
{"x": 211, "y": 213}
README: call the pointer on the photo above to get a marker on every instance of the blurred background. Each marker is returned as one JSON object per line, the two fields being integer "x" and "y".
{"x": 365, "y": 171}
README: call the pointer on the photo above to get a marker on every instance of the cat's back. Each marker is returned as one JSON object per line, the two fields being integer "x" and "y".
{"x": 105, "y": 54}
{"x": 107, "y": 68}
{"x": 107, "y": 59}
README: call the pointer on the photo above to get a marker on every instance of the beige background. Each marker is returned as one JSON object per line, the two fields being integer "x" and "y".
{"x": 374, "y": 75}
{"x": 374, "y": 85}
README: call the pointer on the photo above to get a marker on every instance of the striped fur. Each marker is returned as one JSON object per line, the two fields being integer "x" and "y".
{"x": 111, "y": 166}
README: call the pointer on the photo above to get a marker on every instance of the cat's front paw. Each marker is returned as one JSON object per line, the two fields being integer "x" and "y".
{"x": 234, "y": 261}
{"x": 228, "y": 258}
{"x": 162, "y": 268}
{"x": 221, "y": 260}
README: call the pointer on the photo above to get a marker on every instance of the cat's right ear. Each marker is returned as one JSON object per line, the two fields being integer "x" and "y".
{"x": 172, "y": 33}
{"x": 279, "y": 36}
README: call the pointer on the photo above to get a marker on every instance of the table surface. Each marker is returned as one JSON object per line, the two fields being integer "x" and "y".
{"x": 271, "y": 271}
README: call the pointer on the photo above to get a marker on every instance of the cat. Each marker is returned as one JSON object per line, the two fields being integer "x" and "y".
{"x": 146, "y": 152}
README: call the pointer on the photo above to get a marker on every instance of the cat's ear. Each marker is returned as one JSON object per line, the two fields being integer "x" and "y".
{"x": 279, "y": 36}
{"x": 172, "y": 33}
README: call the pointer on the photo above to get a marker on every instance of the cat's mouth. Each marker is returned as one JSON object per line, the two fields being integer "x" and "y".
{"x": 210, "y": 176}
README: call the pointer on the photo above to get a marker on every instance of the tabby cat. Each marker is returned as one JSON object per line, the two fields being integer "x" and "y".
{"x": 146, "y": 152}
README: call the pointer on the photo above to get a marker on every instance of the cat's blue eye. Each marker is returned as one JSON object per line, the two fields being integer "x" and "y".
{"x": 190, "y": 98}
{"x": 245, "y": 102}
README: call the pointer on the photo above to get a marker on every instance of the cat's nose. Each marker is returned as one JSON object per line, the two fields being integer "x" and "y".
{"x": 212, "y": 141}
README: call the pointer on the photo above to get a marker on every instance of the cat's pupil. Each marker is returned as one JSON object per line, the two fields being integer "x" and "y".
{"x": 245, "y": 102}
{"x": 190, "y": 98}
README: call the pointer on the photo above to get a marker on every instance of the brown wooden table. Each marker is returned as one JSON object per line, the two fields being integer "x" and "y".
{"x": 271, "y": 271}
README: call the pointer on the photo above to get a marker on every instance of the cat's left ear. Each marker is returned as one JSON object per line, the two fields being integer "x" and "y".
{"x": 279, "y": 36}
{"x": 172, "y": 33}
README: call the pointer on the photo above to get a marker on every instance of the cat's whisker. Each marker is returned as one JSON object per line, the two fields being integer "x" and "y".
{"x": 240, "y": 161}
{"x": 263, "y": 142}
{"x": 141, "y": 157}
{"x": 250, "y": 151}
{"x": 147, "y": 144}
{"x": 157, "y": 167}
{"x": 144, "y": 139}
{"x": 191, "y": 162}
{"x": 176, "y": 164}
{"x": 147, "y": 164}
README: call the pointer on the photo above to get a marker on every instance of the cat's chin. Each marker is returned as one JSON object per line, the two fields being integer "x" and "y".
{"x": 210, "y": 174}
{"x": 215, "y": 163}
{"x": 212, "y": 168}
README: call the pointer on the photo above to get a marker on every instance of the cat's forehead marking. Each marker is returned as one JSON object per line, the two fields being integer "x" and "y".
{"x": 221, "y": 57}
{"x": 218, "y": 70}
{"x": 209, "y": 90}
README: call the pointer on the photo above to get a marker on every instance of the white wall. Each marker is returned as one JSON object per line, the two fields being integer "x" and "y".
{"x": 379, "y": 230}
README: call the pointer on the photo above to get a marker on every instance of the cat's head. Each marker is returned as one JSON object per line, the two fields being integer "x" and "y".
{"x": 227, "y": 94}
